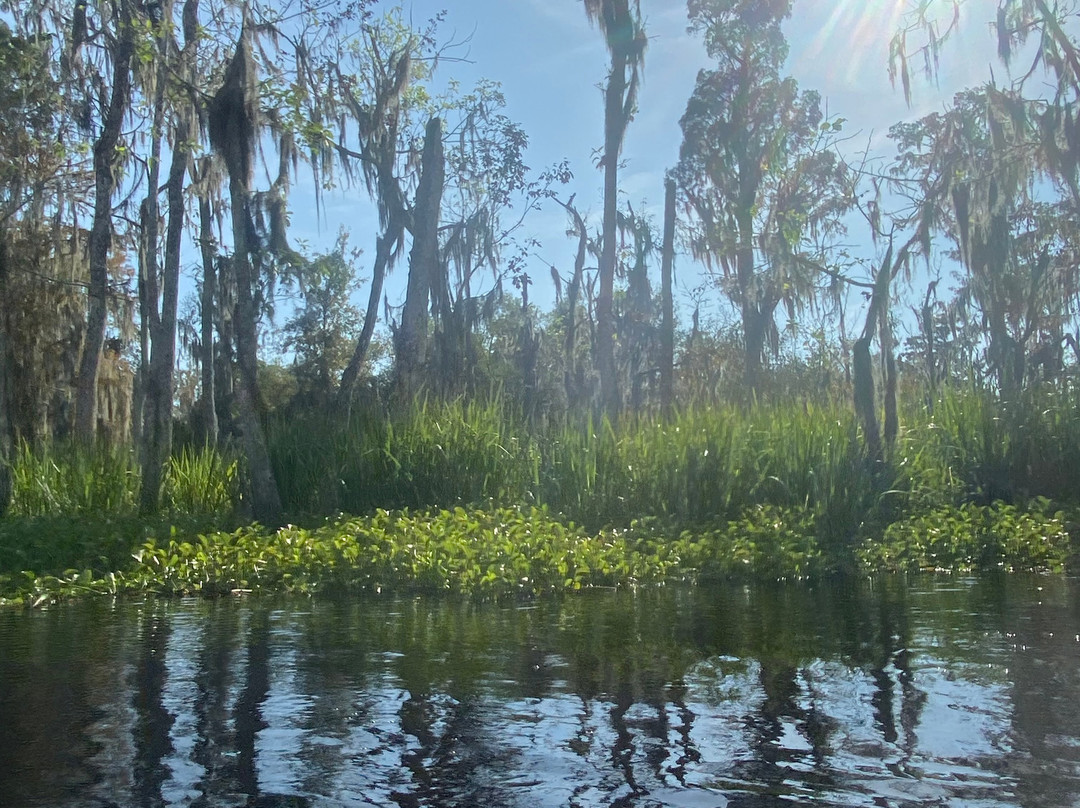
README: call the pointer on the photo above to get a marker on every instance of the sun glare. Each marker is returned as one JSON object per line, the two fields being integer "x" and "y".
{"x": 853, "y": 36}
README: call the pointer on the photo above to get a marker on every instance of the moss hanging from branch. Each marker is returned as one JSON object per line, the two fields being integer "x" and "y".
{"x": 234, "y": 113}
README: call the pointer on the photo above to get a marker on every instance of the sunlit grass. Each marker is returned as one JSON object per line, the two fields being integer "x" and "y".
{"x": 773, "y": 491}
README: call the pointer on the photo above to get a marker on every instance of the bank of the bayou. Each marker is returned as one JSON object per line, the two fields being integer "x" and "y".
{"x": 474, "y": 499}
{"x": 504, "y": 552}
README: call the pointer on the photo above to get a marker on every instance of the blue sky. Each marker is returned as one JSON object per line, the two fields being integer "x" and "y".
{"x": 551, "y": 64}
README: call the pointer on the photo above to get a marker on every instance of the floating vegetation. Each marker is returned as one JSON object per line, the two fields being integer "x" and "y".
{"x": 514, "y": 552}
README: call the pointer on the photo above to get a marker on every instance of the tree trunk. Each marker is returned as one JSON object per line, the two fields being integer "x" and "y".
{"x": 225, "y": 349}
{"x": 105, "y": 162}
{"x": 411, "y": 344}
{"x": 865, "y": 407}
{"x": 753, "y": 319}
{"x": 755, "y": 323}
{"x": 528, "y": 356}
{"x": 571, "y": 380}
{"x": 265, "y": 501}
{"x": 233, "y": 132}
{"x": 209, "y": 420}
{"x": 143, "y": 397}
{"x": 667, "y": 305}
{"x": 383, "y": 248}
{"x": 157, "y": 427}
{"x": 614, "y": 127}
{"x": 892, "y": 415}
{"x": 149, "y": 216}
{"x": 6, "y": 434}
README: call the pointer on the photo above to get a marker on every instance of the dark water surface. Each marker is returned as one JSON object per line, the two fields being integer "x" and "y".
{"x": 938, "y": 692}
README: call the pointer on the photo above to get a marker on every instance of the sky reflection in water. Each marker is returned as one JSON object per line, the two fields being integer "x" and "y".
{"x": 939, "y": 692}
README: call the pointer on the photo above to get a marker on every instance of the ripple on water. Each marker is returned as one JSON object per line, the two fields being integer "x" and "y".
{"x": 966, "y": 695}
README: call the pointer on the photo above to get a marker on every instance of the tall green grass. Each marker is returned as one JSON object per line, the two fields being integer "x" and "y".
{"x": 775, "y": 490}
{"x": 64, "y": 480}
{"x": 73, "y": 480}
{"x": 201, "y": 483}
{"x": 971, "y": 447}
{"x": 709, "y": 464}
{"x": 429, "y": 455}
{"x": 705, "y": 466}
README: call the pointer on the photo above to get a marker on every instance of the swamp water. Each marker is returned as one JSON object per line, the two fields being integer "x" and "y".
{"x": 931, "y": 693}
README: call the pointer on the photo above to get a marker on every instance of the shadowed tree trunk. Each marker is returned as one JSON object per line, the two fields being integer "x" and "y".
{"x": 756, "y": 313}
{"x": 157, "y": 413}
{"x": 105, "y": 165}
{"x": 378, "y": 128}
{"x": 620, "y": 22}
{"x": 667, "y": 305}
{"x": 863, "y": 381}
{"x": 892, "y": 416}
{"x": 149, "y": 216}
{"x": 865, "y": 404}
{"x": 384, "y": 246}
{"x": 207, "y": 306}
{"x": 570, "y": 373}
{"x": 157, "y": 425}
{"x": 6, "y": 436}
{"x": 605, "y": 315}
{"x": 233, "y": 125}
{"x": 411, "y": 342}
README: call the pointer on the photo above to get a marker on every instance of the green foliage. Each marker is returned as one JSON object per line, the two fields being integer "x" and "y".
{"x": 431, "y": 455}
{"x": 68, "y": 480}
{"x": 50, "y": 547}
{"x": 201, "y": 483}
{"x": 72, "y": 480}
{"x": 29, "y": 107}
{"x": 766, "y": 542}
{"x": 973, "y": 537}
{"x": 971, "y": 445}
{"x": 711, "y": 464}
{"x": 493, "y": 552}
{"x": 462, "y": 497}
{"x": 324, "y": 326}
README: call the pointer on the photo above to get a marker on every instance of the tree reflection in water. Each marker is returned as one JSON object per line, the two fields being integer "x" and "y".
{"x": 843, "y": 694}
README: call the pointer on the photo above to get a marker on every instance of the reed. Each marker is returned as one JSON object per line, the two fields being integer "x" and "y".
{"x": 73, "y": 480}
{"x": 202, "y": 482}
{"x": 971, "y": 447}
{"x": 63, "y": 480}
{"x": 711, "y": 464}
{"x": 781, "y": 480}
{"x": 433, "y": 454}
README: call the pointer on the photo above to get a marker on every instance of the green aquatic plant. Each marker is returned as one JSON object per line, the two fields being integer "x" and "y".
{"x": 485, "y": 553}
{"x": 501, "y": 552}
{"x": 973, "y": 537}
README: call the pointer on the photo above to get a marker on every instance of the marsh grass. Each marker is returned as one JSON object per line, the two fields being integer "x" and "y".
{"x": 711, "y": 466}
{"x": 201, "y": 483}
{"x": 430, "y": 455}
{"x": 73, "y": 480}
{"x": 972, "y": 448}
{"x": 772, "y": 491}
{"x": 68, "y": 480}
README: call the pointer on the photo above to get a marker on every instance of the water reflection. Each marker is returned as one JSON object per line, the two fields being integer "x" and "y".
{"x": 943, "y": 692}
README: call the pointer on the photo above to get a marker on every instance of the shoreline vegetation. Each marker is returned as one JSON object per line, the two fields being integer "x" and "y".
{"x": 469, "y": 499}
{"x": 829, "y": 359}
